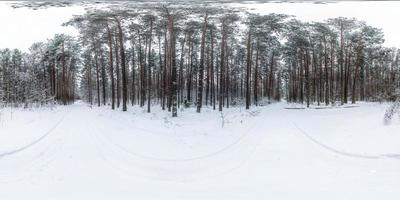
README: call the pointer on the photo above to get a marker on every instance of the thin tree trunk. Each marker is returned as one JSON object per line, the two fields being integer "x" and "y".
{"x": 221, "y": 79}
{"x": 109, "y": 36}
{"x": 248, "y": 70}
{"x": 149, "y": 68}
{"x": 201, "y": 69}
{"x": 123, "y": 67}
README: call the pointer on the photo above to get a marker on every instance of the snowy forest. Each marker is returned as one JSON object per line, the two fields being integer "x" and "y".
{"x": 192, "y": 100}
{"x": 174, "y": 56}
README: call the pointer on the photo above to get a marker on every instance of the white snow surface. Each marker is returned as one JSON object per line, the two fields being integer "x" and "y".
{"x": 268, "y": 152}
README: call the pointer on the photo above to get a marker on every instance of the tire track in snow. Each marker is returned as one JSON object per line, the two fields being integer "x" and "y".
{"x": 111, "y": 156}
{"x": 157, "y": 167}
{"x": 27, "y": 146}
{"x": 25, "y": 168}
{"x": 345, "y": 153}
{"x": 201, "y": 157}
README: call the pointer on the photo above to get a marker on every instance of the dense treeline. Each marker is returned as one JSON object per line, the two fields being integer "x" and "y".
{"x": 45, "y": 74}
{"x": 173, "y": 57}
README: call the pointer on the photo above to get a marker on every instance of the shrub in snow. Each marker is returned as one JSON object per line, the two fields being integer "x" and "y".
{"x": 186, "y": 103}
{"x": 393, "y": 109}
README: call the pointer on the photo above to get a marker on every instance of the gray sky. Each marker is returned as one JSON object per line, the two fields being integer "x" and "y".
{"x": 380, "y": 14}
{"x": 21, "y": 27}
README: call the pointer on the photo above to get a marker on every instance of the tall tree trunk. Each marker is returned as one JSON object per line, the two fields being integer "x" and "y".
{"x": 307, "y": 77}
{"x": 341, "y": 64}
{"x": 190, "y": 74}
{"x": 271, "y": 76}
{"x": 201, "y": 68}
{"x": 212, "y": 69}
{"x": 109, "y": 36}
{"x": 248, "y": 69}
{"x": 63, "y": 78}
{"x": 181, "y": 78}
{"x": 165, "y": 71}
{"x": 97, "y": 75}
{"x": 327, "y": 92}
{"x": 141, "y": 71}
{"x": 221, "y": 79}
{"x": 149, "y": 68}
{"x": 208, "y": 75}
{"x": 123, "y": 66}
{"x": 103, "y": 76}
{"x": 118, "y": 71}
{"x": 89, "y": 80}
{"x": 133, "y": 86}
{"x": 173, "y": 67}
{"x": 256, "y": 76}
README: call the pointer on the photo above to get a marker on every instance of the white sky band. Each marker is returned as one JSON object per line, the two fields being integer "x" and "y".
{"x": 21, "y": 27}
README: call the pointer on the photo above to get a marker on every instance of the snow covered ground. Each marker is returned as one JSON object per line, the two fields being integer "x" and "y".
{"x": 269, "y": 152}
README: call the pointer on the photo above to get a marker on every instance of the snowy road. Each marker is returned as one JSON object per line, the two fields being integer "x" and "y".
{"x": 76, "y": 152}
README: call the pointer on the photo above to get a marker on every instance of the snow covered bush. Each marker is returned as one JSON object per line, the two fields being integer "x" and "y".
{"x": 393, "y": 109}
